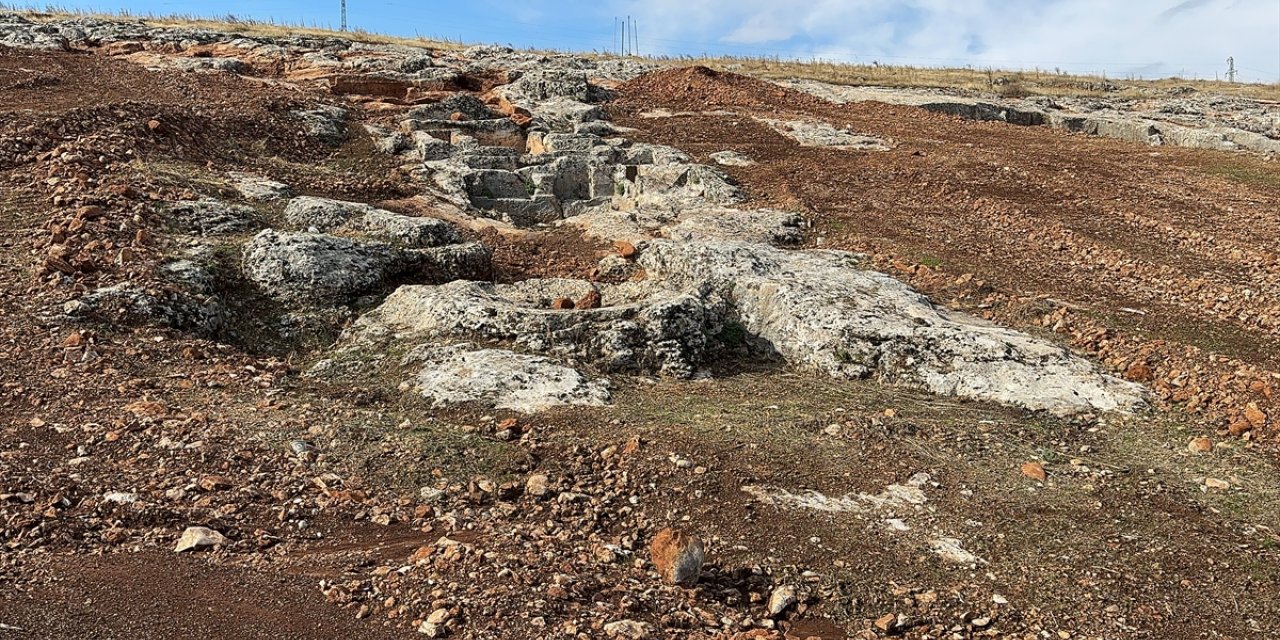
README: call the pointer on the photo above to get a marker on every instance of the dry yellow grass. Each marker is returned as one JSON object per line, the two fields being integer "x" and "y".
{"x": 974, "y": 80}
{"x": 1005, "y": 83}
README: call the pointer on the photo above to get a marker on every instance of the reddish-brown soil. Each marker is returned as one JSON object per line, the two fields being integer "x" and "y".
{"x": 157, "y": 595}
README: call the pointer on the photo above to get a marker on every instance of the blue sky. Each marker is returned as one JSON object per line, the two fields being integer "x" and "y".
{"x": 1119, "y": 37}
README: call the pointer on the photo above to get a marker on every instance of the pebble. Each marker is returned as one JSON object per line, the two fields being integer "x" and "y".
{"x": 678, "y": 556}
{"x": 781, "y": 598}
{"x": 537, "y": 485}
{"x": 627, "y": 629}
{"x": 199, "y": 538}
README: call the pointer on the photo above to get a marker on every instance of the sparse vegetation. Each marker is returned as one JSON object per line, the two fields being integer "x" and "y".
{"x": 970, "y": 79}
{"x": 1250, "y": 174}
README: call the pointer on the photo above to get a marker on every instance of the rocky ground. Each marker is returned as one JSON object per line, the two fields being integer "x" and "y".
{"x": 311, "y": 338}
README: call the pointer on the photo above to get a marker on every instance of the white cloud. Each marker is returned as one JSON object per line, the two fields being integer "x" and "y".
{"x": 1119, "y": 37}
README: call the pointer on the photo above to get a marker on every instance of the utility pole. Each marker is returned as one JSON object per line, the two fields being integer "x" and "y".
{"x": 344, "y": 15}
{"x": 1231, "y": 69}
{"x": 624, "y": 35}
{"x": 635, "y": 38}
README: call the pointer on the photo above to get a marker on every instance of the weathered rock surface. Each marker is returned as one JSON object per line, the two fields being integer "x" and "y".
{"x": 821, "y": 310}
{"x": 212, "y": 217}
{"x": 309, "y": 267}
{"x": 678, "y": 556}
{"x": 781, "y": 598}
{"x": 1198, "y": 122}
{"x": 259, "y": 189}
{"x": 195, "y": 311}
{"x": 467, "y": 261}
{"x": 320, "y": 268}
{"x": 188, "y": 301}
{"x": 195, "y": 538}
{"x": 731, "y": 159}
{"x": 500, "y": 378}
{"x": 326, "y": 123}
{"x": 645, "y": 331}
{"x": 763, "y": 226}
{"x": 322, "y": 215}
{"x": 820, "y": 134}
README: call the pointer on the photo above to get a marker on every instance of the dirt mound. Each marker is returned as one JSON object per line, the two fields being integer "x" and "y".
{"x": 700, "y": 88}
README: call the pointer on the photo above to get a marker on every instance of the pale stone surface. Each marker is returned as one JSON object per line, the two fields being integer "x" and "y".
{"x": 656, "y": 331}
{"x": 310, "y": 267}
{"x": 322, "y": 214}
{"x": 821, "y": 310}
{"x": 820, "y": 134}
{"x": 195, "y": 538}
{"x": 500, "y": 378}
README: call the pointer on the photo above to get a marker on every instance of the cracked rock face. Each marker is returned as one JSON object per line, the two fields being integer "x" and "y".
{"x": 500, "y": 378}
{"x": 190, "y": 302}
{"x": 311, "y": 267}
{"x": 321, "y": 214}
{"x": 212, "y": 217}
{"x": 651, "y": 331}
{"x": 317, "y": 268}
{"x": 820, "y": 311}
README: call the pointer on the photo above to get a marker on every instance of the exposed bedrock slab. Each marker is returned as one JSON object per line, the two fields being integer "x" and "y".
{"x": 500, "y": 378}
{"x": 1198, "y": 122}
{"x": 326, "y": 123}
{"x": 643, "y": 331}
{"x": 766, "y": 226}
{"x": 323, "y": 214}
{"x": 318, "y": 268}
{"x": 820, "y": 134}
{"x": 310, "y": 267}
{"x": 210, "y": 217}
{"x": 819, "y": 310}
{"x": 259, "y": 189}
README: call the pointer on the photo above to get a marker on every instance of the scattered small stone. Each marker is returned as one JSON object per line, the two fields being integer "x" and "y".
{"x": 195, "y": 538}
{"x": 121, "y": 497}
{"x": 625, "y": 249}
{"x": 627, "y": 629}
{"x": 678, "y": 556}
{"x": 781, "y": 598}
{"x": 1035, "y": 471}
{"x": 886, "y": 622}
{"x": 1215, "y": 483}
{"x": 537, "y": 485}
{"x": 1200, "y": 445}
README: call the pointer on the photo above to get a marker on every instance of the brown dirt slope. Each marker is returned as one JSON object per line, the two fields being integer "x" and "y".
{"x": 1163, "y": 262}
